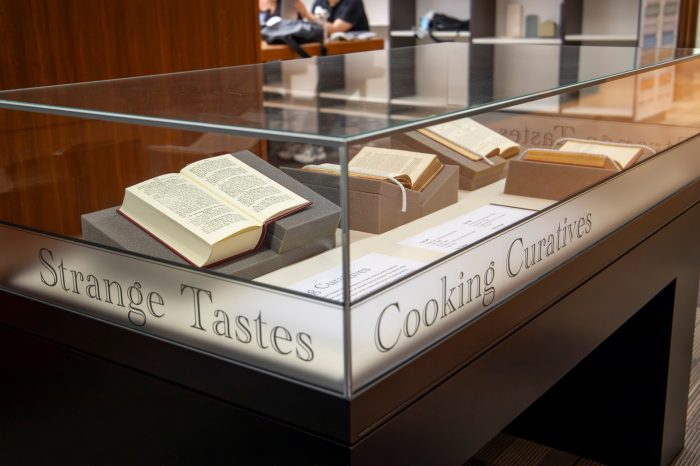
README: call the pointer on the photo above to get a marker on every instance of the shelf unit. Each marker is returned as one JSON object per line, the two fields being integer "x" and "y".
{"x": 647, "y": 23}
{"x": 404, "y": 16}
{"x": 364, "y": 85}
{"x": 489, "y": 23}
{"x": 518, "y": 40}
{"x": 410, "y": 33}
{"x": 612, "y": 38}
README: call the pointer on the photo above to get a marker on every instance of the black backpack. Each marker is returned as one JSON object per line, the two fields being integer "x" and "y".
{"x": 294, "y": 32}
{"x": 441, "y": 22}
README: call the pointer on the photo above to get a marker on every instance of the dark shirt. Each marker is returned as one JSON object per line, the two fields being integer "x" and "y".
{"x": 350, "y": 11}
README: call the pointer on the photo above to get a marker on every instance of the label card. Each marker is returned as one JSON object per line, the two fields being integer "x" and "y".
{"x": 367, "y": 274}
{"x": 467, "y": 229}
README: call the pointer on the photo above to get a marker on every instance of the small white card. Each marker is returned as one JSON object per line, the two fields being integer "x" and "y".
{"x": 367, "y": 274}
{"x": 467, "y": 229}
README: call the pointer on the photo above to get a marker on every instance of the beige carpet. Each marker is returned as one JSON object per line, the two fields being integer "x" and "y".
{"x": 506, "y": 450}
{"x": 691, "y": 453}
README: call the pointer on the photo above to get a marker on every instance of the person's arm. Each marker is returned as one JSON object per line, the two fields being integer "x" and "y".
{"x": 304, "y": 12}
{"x": 338, "y": 25}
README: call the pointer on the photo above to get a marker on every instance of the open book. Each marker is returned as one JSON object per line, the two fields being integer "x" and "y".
{"x": 414, "y": 170}
{"x": 588, "y": 154}
{"x": 471, "y": 139}
{"x": 213, "y": 210}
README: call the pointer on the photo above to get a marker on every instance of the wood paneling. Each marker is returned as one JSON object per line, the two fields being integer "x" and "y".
{"x": 337, "y": 47}
{"x": 687, "y": 23}
{"x": 48, "y": 42}
{"x": 60, "y": 168}
{"x": 53, "y": 169}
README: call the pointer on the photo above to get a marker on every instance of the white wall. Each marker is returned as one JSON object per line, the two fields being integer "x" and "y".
{"x": 377, "y": 12}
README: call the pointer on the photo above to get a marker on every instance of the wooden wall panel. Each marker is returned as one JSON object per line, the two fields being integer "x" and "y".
{"x": 61, "y": 168}
{"x": 687, "y": 23}
{"x": 53, "y": 169}
{"x": 63, "y": 41}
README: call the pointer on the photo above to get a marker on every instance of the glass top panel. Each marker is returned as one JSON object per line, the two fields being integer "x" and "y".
{"x": 382, "y": 90}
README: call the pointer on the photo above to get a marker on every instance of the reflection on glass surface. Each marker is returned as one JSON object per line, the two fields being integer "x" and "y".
{"x": 381, "y": 89}
{"x": 57, "y": 169}
{"x": 416, "y": 273}
{"x": 649, "y": 112}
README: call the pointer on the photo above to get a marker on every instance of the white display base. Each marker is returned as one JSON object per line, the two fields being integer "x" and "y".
{"x": 388, "y": 242}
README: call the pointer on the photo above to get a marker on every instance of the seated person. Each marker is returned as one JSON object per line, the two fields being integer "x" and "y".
{"x": 341, "y": 15}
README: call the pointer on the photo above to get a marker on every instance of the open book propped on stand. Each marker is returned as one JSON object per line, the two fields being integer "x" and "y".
{"x": 386, "y": 187}
{"x": 212, "y": 211}
{"x": 479, "y": 152}
{"x": 471, "y": 139}
{"x": 408, "y": 170}
{"x": 413, "y": 170}
{"x": 570, "y": 166}
{"x": 587, "y": 153}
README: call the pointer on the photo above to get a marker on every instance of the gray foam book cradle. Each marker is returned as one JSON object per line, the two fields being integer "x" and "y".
{"x": 288, "y": 240}
{"x": 375, "y": 206}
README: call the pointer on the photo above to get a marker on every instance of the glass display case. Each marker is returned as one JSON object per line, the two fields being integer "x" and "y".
{"x": 371, "y": 273}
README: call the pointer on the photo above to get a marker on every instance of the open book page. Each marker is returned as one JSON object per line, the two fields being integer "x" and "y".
{"x": 177, "y": 199}
{"x": 244, "y": 187}
{"x": 471, "y": 139}
{"x": 418, "y": 167}
{"x": 623, "y": 155}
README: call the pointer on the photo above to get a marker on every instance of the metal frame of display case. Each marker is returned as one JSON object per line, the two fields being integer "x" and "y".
{"x": 446, "y": 398}
{"x": 491, "y": 370}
